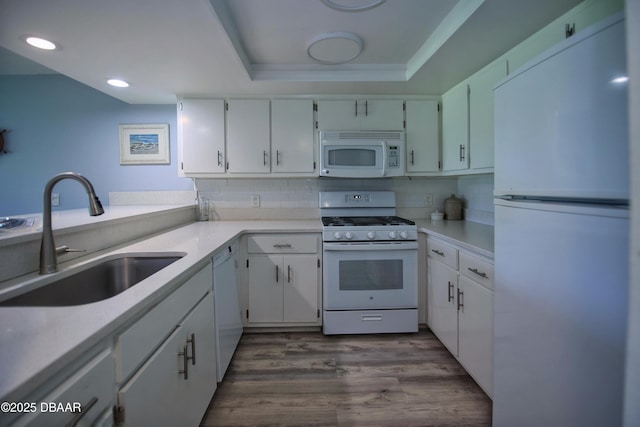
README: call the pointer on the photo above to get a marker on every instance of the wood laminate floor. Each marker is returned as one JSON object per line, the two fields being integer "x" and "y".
{"x": 308, "y": 379}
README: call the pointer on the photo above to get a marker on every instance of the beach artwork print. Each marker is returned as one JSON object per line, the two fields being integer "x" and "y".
{"x": 144, "y": 144}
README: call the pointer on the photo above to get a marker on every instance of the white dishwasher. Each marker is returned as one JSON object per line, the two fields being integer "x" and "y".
{"x": 228, "y": 319}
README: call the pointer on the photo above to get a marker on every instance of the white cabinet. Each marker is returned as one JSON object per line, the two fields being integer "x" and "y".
{"x": 292, "y": 147}
{"x": 86, "y": 393}
{"x": 422, "y": 133}
{"x": 248, "y": 136}
{"x": 460, "y": 307}
{"x": 177, "y": 377}
{"x": 360, "y": 114}
{"x": 481, "y": 123}
{"x": 201, "y": 136}
{"x": 283, "y": 279}
{"x": 455, "y": 128}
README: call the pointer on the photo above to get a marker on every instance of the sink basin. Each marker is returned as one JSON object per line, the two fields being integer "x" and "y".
{"x": 96, "y": 283}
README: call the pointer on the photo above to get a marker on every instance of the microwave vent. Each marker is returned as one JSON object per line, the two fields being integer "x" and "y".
{"x": 388, "y": 136}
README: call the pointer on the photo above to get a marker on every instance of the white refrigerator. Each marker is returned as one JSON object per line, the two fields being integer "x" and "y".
{"x": 561, "y": 234}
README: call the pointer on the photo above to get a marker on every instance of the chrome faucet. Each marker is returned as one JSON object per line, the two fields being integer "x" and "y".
{"x": 48, "y": 251}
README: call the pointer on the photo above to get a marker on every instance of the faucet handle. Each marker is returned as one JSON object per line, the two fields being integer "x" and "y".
{"x": 61, "y": 250}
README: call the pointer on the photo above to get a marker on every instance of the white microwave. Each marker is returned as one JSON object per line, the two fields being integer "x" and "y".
{"x": 362, "y": 154}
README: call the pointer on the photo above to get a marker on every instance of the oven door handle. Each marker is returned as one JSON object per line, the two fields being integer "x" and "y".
{"x": 366, "y": 246}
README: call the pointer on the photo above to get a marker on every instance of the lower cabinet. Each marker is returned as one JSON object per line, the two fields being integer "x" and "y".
{"x": 175, "y": 384}
{"x": 460, "y": 307}
{"x": 283, "y": 285}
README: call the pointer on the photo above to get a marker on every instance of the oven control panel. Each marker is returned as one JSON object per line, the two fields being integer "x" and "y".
{"x": 369, "y": 235}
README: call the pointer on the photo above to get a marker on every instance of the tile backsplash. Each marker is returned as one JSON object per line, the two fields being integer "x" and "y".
{"x": 297, "y": 198}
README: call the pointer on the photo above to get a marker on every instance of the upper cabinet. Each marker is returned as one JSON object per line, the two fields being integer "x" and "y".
{"x": 360, "y": 114}
{"x": 248, "y": 136}
{"x": 292, "y": 146}
{"x": 422, "y": 119}
{"x": 467, "y": 121}
{"x": 201, "y": 137}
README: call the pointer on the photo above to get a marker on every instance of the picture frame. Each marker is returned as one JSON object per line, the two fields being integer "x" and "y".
{"x": 144, "y": 144}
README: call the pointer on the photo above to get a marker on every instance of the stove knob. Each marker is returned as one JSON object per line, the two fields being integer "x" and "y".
{"x": 348, "y": 235}
{"x": 404, "y": 235}
{"x": 393, "y": 234}
{"x": 371, "y": 235}
{"x": 337, "y": 235}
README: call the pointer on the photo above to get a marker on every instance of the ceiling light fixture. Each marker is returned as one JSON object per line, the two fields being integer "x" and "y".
{"x": 334, "y": 48}
{"x": 343, "y": 7}
{"x": 118, "y": 83}
{"x": 40, "y": 43}
{"x": 620, "y": 80}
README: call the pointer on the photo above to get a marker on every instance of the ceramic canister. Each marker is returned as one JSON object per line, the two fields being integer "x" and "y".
{"x": 453, "y": 208}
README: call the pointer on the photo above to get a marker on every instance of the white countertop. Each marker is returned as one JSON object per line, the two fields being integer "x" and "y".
{"x": 67, "y": 332}
{"x": 36, "y": 342}
{"x": 469, "y": 235}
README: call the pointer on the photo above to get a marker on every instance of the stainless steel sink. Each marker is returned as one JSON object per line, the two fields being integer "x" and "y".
{"x": 96, "y": 283}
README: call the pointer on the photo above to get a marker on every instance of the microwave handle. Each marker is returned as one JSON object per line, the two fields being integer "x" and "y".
{"x": 384, "y": 158}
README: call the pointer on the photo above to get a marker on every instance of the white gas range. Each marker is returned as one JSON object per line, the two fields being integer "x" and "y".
{"x": 370, "y": 272}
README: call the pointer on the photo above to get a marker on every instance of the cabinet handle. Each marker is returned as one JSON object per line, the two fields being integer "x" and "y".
{"x": 412, "y": 162}
{"x": 264, "y": 158}
{"x": 460, "y": 301}
{"x": 450, "y": 292}
{"x": 288, "y": 274}
{"x": 277, "y": 274}
{"x": 479, "y": 273}
{"x": 219, "y": 158}
{"x": 282, "y": 245}
{"x": 366, "y": 108}
{"x": 356, "y": 108}
{"x": 185, "y": 363}
{"x": 192, "y": 341}
{"x": 437, "y": 252}
{"x": 461, "y": 152}
{"x": 277, "y": 157}
{"x": 83, "y": 411}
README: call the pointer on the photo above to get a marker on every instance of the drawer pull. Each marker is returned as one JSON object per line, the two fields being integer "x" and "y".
{"x": 83, "y": 411}
{"x": 479, "y": 273}
{"x": 437, "y": 252}
{"x": 460, "y": 301}
{"x": 371, "y": 318}
{"x": 185, "y": 363}
{"x": 450, "y": 292}
{"x": 282, "y": 245}
{"x": 192, "y": 341}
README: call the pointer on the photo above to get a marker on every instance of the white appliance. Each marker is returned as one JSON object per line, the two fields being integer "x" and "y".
{"x": 561, "y": 235}
{"x": 362, "y": 154}
{"x": 370, "y": 264}
{"x": 228, "y": 318}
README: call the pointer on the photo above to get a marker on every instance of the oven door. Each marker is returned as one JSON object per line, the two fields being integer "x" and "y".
{"x": 365, "y": 275}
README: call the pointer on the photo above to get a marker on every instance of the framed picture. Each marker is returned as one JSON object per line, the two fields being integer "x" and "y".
{"x": 144, "y": 144}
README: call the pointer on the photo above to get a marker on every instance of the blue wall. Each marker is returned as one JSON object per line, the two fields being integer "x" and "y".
{"x": 55, "y": 124}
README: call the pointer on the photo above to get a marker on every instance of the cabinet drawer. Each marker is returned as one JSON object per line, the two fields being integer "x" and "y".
{"x": 90, "y": 387}
{"x": 283, "y": 243}
{"x": 141, "y": 339}
{"x": 443, "y": 252}
{"x": 477, "y": 269}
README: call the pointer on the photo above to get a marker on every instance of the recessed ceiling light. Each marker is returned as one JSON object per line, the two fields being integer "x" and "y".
{"x": 620, "y": 80}
{"x": 352, "y": 6}
{"x": 118, "y": 83}
{"x": 40, "y": 43}
{"x": 335, "y": 48}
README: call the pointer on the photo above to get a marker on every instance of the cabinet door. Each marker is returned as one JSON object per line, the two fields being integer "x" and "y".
{"x": 481, "y": 114}
{"x": 455, "y": 128}
{"x": 443, "y": 313}
{"x": 381, "y": 114}
{"x": 248, "y": 136}
{"x": 201, "y": 136}
{"x": 292, "y": 136}
{"x": 266, "y": 279}
{"x": 475, "y": 347}
{"x": 338, "y": 114}
{"x": 159, "y": 394}
{"x": 300, "y": 288}
{"x": 423, "y": 147}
